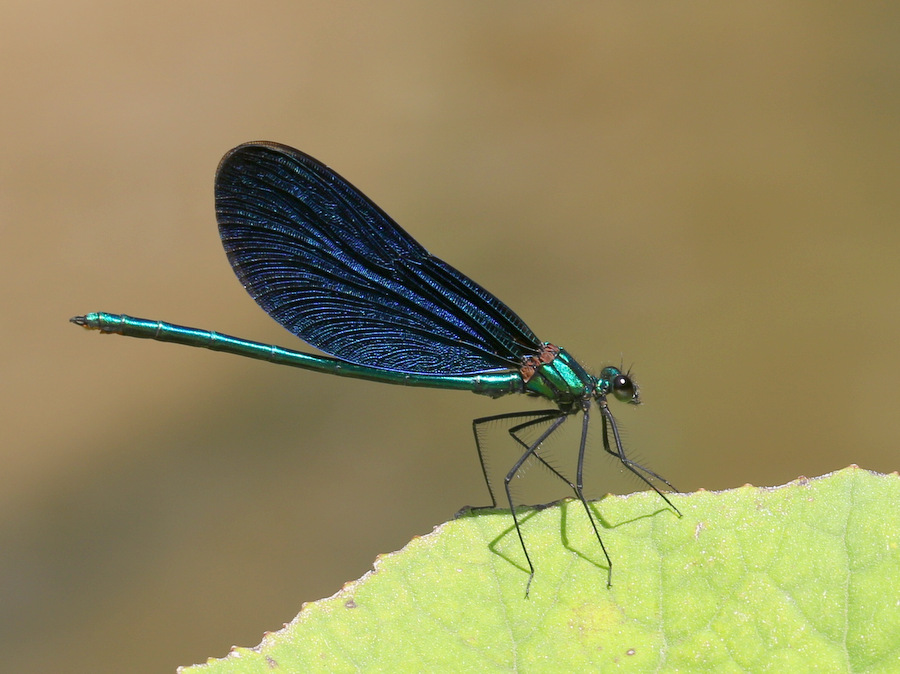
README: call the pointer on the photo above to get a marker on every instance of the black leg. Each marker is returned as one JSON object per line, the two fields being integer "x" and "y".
{"x": 579, "y": 491}
{"x": 609, "y": 424}
{"x": 509, "y": 477}
{"x": 515, "y": 430}
{"x": 536, "y": 418}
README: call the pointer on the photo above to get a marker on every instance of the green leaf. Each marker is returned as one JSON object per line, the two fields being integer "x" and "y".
{"x": 790, "y": 579}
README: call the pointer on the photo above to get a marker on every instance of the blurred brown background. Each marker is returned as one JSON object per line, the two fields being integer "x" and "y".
{"x": 707, "y": 191}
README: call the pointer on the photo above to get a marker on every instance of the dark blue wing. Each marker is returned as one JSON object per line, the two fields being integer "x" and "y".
{"x": 335, "y": 270}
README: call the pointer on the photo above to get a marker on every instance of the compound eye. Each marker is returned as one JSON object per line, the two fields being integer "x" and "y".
{"x": 623, "y": 388}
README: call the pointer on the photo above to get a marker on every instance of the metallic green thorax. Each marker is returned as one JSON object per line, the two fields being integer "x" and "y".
{"x": 561, "y": 380}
